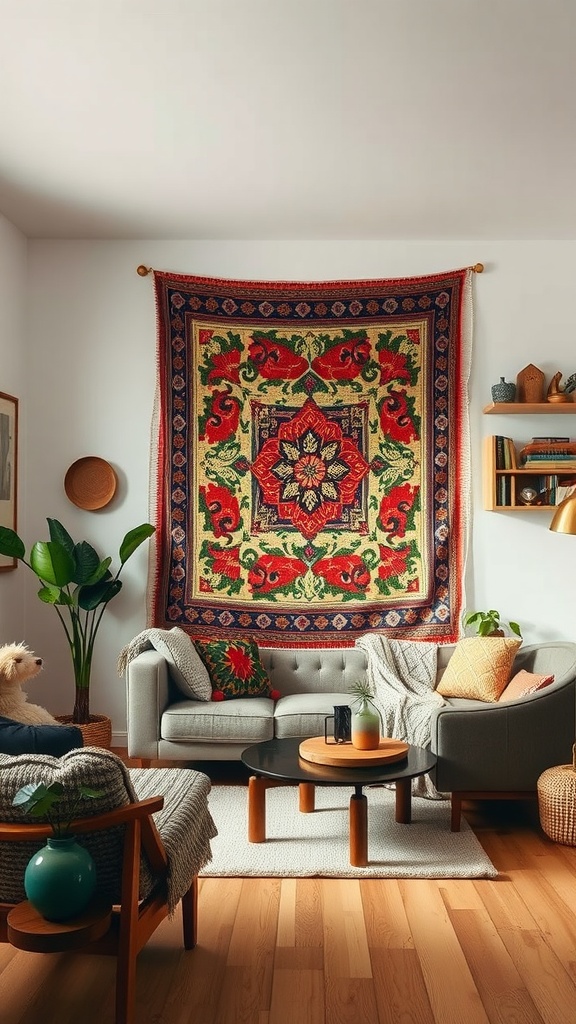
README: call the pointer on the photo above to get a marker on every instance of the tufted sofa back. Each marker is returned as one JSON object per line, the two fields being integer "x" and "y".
{"x": 321, "y": 669}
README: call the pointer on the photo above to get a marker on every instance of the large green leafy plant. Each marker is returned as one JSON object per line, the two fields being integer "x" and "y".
{"x": 80, "y": 585}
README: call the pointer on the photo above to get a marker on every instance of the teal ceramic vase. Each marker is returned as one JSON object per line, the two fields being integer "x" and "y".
{"x": 504, "y": 391}
{"x": 60, "y": 879}
{"x": 365, "y": 728}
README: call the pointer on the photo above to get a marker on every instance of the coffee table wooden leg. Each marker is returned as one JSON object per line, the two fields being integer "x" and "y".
{"x": 306, "y": 792}
{"x": 256, "y": 809}
{"x": 404, "y": 801}
{"x": 358, "y": 830}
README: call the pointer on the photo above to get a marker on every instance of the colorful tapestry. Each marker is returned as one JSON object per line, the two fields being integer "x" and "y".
{"x": 312, "y": 474}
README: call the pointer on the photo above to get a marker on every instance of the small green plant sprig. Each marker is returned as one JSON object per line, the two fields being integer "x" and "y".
{"x": 41, "y": 801}
{"x": 488, "y": 623}
{"x": 361, "y": 691}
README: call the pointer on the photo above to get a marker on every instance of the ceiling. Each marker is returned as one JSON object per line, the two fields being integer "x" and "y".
{"x": 289, "y": 119}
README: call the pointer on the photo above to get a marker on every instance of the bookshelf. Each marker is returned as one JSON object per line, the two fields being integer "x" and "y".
{"x": 503, "y": 487}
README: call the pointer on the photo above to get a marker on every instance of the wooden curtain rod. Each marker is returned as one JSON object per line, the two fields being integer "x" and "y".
{"x": 144, "y": 271}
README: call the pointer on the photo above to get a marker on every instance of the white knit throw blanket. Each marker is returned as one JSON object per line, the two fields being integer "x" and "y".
{"x": 402, "y": 676}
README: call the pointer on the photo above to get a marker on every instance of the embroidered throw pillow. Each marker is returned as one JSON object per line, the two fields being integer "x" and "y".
{"x": 479, "y": 668}
{"x": 524, "y": 683}
{"x": 186, "y": 668}
{"x": 235, "y": 669}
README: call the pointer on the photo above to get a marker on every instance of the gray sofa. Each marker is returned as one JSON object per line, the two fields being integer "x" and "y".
{"x": 482, "y": 749}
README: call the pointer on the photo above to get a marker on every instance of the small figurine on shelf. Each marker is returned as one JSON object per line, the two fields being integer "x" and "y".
{"x": 530, "y": 385}
{"x": 554, "y": 393}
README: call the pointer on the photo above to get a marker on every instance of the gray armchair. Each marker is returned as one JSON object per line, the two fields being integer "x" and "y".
{"x": 499, "y": 750}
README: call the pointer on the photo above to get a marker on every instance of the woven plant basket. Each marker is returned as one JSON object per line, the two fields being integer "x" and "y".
{"x": 97, "y": 732}
{"x": 557, "y": 802}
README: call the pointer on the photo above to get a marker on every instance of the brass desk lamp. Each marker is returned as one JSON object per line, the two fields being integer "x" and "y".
{"x": 564, "y": 520}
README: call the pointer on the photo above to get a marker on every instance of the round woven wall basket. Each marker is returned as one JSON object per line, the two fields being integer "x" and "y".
{"x": 557, "y": 802}
{"x": 90, "y": 483}
{"x": 97, "y": 732}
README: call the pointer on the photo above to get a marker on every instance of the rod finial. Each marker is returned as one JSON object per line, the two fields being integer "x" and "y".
{"x": 143, "y": 271}
{"x": 477, "y": 268}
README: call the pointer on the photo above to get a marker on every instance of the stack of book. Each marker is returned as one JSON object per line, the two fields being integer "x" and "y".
{"x": 549, "y": 455}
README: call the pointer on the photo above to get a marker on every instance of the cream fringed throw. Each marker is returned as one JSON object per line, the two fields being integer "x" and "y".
{"x": 402, "y": 674}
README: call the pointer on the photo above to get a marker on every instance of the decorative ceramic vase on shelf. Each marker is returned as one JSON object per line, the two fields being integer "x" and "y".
{"x": 365, "y": 728}
{"x": 504, "y": 391}
{"x": 60, "y": 879}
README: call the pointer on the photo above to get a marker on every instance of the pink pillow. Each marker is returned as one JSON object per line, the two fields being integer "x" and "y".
{"x": 524, "y": 683}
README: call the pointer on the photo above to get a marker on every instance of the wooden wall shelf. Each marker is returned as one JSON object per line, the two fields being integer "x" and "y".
{"x": 529, "y": 408}
{"x": 502, "y": 487}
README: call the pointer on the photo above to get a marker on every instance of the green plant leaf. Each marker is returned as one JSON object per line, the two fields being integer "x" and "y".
{"x": 60, "y": 535}
{"x": 133, "y": 539}
{"x": 52, "y": 563}
{"x": 515, "y": 628}
{"x": 87, "y": 562}
{"x": 10, "y": 543}
{"x": 100, "y": 573}
{"x": 38, "y": 800}
{"x": 53, "y": 595}
{"x": 101, "y": 593}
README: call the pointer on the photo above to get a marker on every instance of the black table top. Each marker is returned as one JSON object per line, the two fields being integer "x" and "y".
{"x": 279, "y": 759}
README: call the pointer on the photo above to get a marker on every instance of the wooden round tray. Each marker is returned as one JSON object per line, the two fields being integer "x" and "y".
{"x": 344, "y": 755}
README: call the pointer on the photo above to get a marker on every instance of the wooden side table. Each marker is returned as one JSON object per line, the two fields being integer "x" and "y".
{"x": 27, "y": 929}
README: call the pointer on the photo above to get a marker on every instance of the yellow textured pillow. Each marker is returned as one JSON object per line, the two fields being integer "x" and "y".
{"x": 479, "y": 668}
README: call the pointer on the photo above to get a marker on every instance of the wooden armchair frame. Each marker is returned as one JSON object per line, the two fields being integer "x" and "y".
{"x": 134, "y": 920}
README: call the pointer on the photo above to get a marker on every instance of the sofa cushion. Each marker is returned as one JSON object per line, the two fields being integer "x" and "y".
{"x": 184, "y": 664}
{"x": 303, "y": 714}
{"x": 246, "y": 720}
{"x": 524, "y": 683}
{"x": 479, "y": 668}
{"x": 235, "y": 668}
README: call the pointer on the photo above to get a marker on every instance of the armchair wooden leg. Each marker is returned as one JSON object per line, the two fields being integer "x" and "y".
{"x": 128, "y": 932}
{"x": 190, "y": 915}
{"x": 455, "y": 811}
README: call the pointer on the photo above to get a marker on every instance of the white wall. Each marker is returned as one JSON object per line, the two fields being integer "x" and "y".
{"x": 91, "y": 356}
{"x": 13, "y": 381}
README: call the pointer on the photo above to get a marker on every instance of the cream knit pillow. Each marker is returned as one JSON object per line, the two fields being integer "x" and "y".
{"x": 479, "y": 668}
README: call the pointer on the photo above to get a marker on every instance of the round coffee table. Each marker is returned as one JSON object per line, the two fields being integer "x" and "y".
{"x": 278, "y": 763}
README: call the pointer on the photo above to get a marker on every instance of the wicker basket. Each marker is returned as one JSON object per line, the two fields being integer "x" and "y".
{"x": 97, "y": 732}
{"x": 557, "y": 802}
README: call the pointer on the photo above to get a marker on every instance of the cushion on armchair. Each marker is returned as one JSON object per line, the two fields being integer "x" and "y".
{"x": 479, "y": 668}
{"x": 523, "y": 684}
{"x": 17, "y": 738}
{"x": 184, "y": 823}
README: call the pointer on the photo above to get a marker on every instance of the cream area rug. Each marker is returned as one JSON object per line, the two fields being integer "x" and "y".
{"x": 317, "y": 844}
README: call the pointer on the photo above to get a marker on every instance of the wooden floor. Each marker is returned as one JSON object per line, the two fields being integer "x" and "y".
{"x": 310, "y": 951}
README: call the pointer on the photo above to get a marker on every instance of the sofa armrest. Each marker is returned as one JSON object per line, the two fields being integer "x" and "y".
{"x": 500, "y": 747}
{"x": 147, "y": 696}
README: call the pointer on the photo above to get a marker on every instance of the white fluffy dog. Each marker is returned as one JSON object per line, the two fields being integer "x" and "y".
{"x": 17, "y": 664}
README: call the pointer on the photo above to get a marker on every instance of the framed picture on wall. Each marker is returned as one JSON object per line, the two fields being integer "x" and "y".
{"x": 8, "y": 469}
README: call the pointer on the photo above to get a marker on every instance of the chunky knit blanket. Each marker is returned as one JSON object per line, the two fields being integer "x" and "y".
{"x": 184, "y": 823}
{"x": 402, "y": 675}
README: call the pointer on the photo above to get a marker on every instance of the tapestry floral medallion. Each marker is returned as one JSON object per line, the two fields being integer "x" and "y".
{"x": 312, "y": 473}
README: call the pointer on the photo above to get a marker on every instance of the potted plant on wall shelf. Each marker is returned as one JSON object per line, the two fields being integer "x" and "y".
{"x": 79, "y": 584}
{"x": 488, "y": 623}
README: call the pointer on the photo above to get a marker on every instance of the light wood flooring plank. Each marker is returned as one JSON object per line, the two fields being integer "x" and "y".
{"x": 501, "y": 989}
{"x": 453, "y": 995}
{"x": 399, "y": 987}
